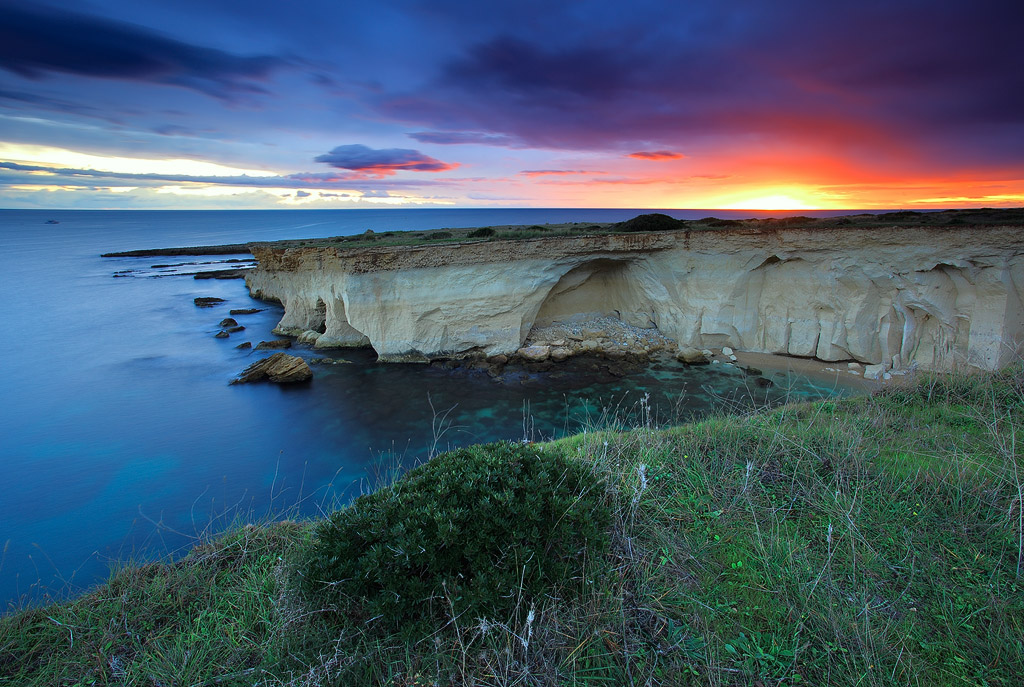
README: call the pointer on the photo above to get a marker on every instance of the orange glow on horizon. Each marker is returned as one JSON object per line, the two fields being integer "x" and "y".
{"x": 776, "y": 201}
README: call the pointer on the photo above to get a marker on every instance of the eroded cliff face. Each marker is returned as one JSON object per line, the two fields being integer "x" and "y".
{"x": 937, "y": 298}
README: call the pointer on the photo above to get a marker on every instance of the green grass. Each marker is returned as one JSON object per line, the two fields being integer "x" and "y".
{"x": 944, "y": 219}
{"x": 874, "y": 540}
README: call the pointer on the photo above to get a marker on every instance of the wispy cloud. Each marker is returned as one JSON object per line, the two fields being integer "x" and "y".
{"x": 656, "y": 155}
{"x": 557, "y": 172}
{"x": 468, "y": 137}
{"x": 19, "y": 174}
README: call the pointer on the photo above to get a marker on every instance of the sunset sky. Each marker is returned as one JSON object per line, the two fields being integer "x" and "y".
{"x": 668, "y": 104}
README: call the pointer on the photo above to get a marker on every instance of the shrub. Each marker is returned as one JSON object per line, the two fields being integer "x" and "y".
{"x": 654, "y": 221}
{"x": 482, "y": 530}
{"x": 480, "y": 233}
{"x": 438, "y": 235}
{"x": 718, "y": 222}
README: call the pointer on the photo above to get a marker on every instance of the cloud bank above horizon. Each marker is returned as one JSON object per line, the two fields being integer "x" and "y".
{"x": 702, "y": 105}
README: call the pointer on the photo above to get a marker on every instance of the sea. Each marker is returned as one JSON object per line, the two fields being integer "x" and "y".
{"x": 121, "y": 439}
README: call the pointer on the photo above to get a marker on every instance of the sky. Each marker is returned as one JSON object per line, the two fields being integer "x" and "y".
{"x": 780, "y": 104}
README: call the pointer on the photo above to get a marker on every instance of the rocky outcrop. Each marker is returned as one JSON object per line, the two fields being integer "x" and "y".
{"x": 280, "y": 367}
{"x": 937, "y": 298}
{"x": 275, "y": 343}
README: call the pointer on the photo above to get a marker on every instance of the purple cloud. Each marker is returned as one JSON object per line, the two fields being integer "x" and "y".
{"x": 873, "y": 82}
{"x": 381, "y": 162}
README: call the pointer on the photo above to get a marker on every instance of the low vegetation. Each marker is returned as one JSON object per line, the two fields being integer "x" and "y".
{"x": 649, "y": 222}
{"x": 477, "y": 532}
{"x": 659, "y": 222}
{"x": 875, "y": 540}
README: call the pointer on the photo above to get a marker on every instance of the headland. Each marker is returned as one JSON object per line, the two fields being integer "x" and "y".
{"x": 938, "y": 291}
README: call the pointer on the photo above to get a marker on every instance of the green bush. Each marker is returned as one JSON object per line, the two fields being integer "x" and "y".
{"x": 438, "y": 235}
{"x": 654, "y": 221}
{"x": 483, "y": 530}
{"x": 482, "y": 232}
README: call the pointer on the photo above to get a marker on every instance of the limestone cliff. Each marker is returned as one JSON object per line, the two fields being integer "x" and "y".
{"x": 935, "y": 297}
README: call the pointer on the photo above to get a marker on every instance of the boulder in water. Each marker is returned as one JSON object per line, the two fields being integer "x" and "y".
{"x": 207, "y": 301}
{"x": 691, "y": 356}
{"x": 280, "y": 368}
{"x": 276, "y": 343}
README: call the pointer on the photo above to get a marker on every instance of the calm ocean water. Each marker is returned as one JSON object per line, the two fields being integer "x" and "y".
{"x": 121, "y": 438}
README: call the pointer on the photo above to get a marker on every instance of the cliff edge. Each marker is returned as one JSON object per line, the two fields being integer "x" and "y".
{"x": 934, "y": 297}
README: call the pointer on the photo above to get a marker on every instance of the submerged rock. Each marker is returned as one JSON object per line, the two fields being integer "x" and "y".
{"x": 228, "y": 322}
{"x": 245, "y": 311}
{"x": 276, "y": 343}
{"x": 247, "y": 344}
{"x": 238, "y": 273}
{"x": 221, "y": 335}
{"x": 280, "y": 368}
{"x": 236, "y": 328}
{"x": 207, "y": 301}
{"x": 691, "y": 356}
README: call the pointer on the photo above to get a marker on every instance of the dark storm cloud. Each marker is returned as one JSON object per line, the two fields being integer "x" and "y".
{"x": 37, "y": 40}
{"x": 876, "y": 78}
{"x": 381, "y": 162}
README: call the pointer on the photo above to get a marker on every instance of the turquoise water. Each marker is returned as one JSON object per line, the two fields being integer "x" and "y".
{"x": 121, "y": 437}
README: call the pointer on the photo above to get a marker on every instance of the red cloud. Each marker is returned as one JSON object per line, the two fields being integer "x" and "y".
{"x": 382, "y": 162}
{"x": 656, "y": 155}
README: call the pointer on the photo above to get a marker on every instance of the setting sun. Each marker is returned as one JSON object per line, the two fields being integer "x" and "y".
{"x": 771, "y": 202}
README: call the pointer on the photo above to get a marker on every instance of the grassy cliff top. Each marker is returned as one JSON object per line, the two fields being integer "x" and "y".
{"x": 653, "y": 222}
{"x": 657, "y": 222}
{"x": 876, "y": 540}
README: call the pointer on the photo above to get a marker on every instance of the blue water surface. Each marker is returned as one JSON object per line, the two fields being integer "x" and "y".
{"x": 120, "y": 437}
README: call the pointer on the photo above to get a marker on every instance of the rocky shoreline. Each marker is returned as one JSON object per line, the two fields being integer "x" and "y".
{"x": 603, "y": 348}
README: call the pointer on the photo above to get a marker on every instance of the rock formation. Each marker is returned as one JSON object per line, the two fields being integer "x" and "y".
{"x": 275, "y": 343}
{"x": 280, "y": 367}
{"x": 207, "y": 301}
{"x": 936, "y": 298}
